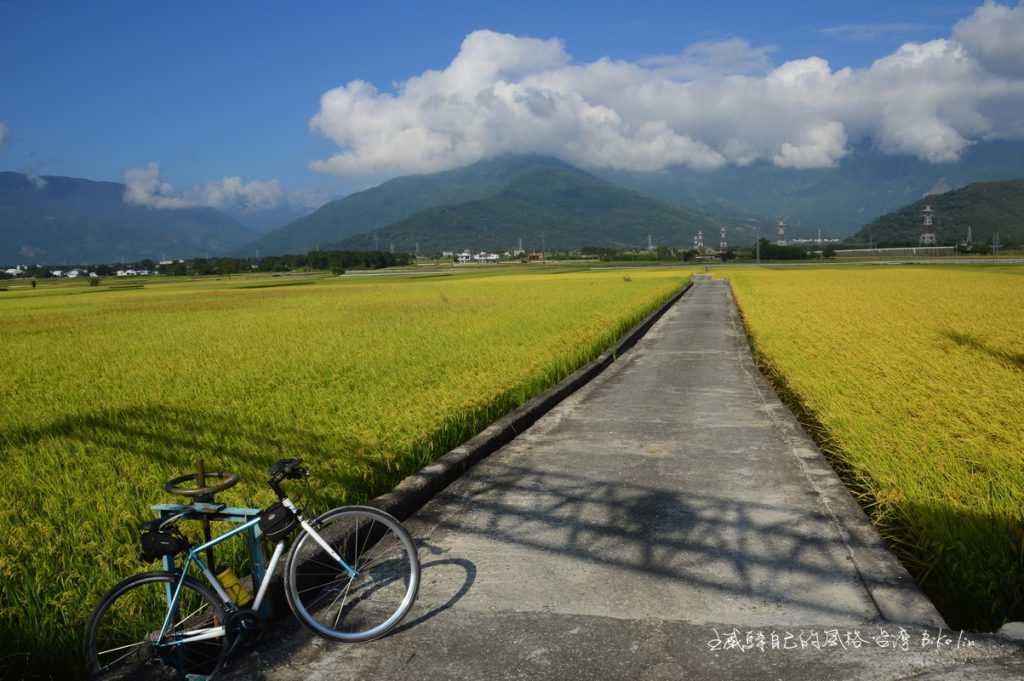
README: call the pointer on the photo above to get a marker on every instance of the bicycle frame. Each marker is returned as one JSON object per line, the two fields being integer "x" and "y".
{"x": 193, "y": 556}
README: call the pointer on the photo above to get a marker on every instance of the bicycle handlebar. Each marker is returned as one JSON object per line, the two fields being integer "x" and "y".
{"x": 285, "y": 469}
{"x": 288, "y": 469}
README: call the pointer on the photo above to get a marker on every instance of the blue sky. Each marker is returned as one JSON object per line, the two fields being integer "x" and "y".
{"x": 223, "y": 89}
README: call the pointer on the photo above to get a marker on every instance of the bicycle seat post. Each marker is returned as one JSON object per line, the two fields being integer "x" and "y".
{"x": 200, "y": 483}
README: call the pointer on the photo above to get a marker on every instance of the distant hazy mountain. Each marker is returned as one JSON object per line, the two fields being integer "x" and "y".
{"x": 551, "y": 204}
{"x": 56, "y": 220}
{"x": 267, "y": 220}
{"x": 839, "y": 200}
{"x": 395, "y": 200}
{"x": 988, "y": 207}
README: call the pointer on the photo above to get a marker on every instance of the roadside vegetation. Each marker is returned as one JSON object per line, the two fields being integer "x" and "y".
{"x": 366, "y": 378}
{"x": 913, "y": 379}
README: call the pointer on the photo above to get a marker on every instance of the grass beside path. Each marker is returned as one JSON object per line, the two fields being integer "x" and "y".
{"x": 915, "y": 376}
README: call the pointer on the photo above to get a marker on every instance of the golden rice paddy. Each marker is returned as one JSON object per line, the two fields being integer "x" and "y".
{"x": 913, "y": 378}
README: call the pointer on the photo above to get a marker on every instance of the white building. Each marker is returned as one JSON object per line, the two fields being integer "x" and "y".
{"x": 484, "y": 256}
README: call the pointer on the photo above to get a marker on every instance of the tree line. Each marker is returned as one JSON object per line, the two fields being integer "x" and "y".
{"x": 334, "y": 261}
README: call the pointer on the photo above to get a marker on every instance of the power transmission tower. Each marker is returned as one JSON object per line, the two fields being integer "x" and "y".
{"x": 928, "y": 228}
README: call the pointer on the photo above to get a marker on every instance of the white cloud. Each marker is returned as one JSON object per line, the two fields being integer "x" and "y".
{"x": 4, "y": 134}
{"x": 710, "y": 105}
{"x": 233, "y": 191}
{"x": 820, "y": 147}
{"x": 144, "y": 187}
{"x": 995, "y": 34}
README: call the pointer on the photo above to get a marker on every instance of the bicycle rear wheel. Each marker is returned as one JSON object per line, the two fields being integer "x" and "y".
{"x": 337, "y": 605}
{"x": 121, "y": 636}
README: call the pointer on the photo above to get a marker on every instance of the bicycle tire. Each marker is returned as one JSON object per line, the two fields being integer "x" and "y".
{"x": 143, "y": 661}
{"x": 381, "y": 562}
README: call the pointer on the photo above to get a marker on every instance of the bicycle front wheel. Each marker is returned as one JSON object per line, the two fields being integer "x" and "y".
{"x": 346, "y": 607}
{"x": 122, "y": 639}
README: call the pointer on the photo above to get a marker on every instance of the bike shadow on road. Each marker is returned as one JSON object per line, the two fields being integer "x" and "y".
{"x": 288, "y": 642}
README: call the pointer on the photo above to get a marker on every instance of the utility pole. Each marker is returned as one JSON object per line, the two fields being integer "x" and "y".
{"x": 757, "y": 243}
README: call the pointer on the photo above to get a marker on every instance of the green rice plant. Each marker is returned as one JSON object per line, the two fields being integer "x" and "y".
{"x": 367, "y": 379}
{"x": 913, "y": 380}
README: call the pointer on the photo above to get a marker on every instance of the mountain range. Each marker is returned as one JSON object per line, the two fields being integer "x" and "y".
{"x": 838, "y": 200}
{"x": 546, "y": 203}
{"x": 493, "y": 204}
{"x": 865, "y": 185}
{"x": 987, "y": 207}
{"x": 393, "y": 201}
{"x": 58, "y": 220}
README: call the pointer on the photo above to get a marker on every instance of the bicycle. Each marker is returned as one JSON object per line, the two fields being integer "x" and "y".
{"x": 342, "y": 576}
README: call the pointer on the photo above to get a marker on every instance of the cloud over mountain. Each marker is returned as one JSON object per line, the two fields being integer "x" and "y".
{"x": 711, "y": 105}
{"x": 144, "y": 187}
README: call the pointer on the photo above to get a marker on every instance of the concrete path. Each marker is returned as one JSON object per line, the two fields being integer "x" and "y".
{"x": 628, "y": 534}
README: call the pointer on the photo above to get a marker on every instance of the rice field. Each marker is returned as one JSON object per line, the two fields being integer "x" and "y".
{"x": 913, "y": 378}
{"x": 109, "y": 392}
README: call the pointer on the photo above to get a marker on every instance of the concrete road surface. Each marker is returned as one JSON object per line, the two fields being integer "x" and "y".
{"x": 668, "y": 521}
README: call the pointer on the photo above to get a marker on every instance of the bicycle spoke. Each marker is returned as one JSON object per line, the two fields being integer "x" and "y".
{"x": 324, "y": 585}
{"x": 342, "y": 608}
{"x": 355, "y": 558}
{"x": 322, "y": 597}
{"x": 109, "y": 665}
